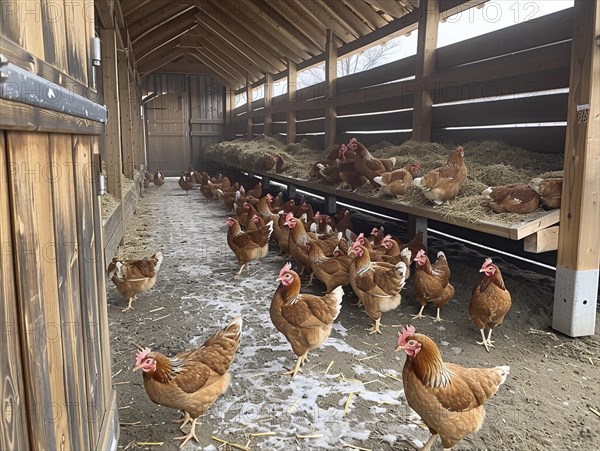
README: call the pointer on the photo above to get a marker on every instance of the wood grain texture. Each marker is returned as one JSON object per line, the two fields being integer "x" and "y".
{"x": 542, "y": 241}
{"x": 112, "y": 133}
{"x": 77, "y": 46}
{"x": 35, "y": 257}
{"x": 54, "y": 29}
{"x": 64, "y": 177}
{"x": 125, "y": 116}
{"x": 13, "y": 427}
{"x": 579, "y": 239}
{"x": 88, "y": 283}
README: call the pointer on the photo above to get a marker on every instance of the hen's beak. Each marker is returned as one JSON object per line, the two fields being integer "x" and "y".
{"x": 398, "y": 348}
{"x": 482, "y": 270}
{"x": 135, "y": 368}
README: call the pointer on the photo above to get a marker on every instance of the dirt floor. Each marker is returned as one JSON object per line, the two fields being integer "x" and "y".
{"x": 351, "y": 391}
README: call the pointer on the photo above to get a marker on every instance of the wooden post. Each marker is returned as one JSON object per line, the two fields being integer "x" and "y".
{"x": 330, "y": 98}
{"x": 229, "y": 113}
{"x": 291, "y": 191}
{"x": 112, "y": 131}
{"x": 249, "y": 128}
{"x": 125, "y": 97}
{"x": 292, "y": 84}
{"x": 576, "y": 289}
{"x": 268, "y": 120}
{"x": 429, "y": 16}
{"x": 417, "y": 224}
{"x": 330, "y": 204}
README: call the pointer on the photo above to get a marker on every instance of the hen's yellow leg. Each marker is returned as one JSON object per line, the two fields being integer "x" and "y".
{"x": 420, "y": 314}
{"x": 185, "y": 420}
{"x": 298, "y": 365}
{"x": 376, "y": 327}
{"x": 190, "y": 435}
{"x": 437, "y": 317}
{"x": 130, "y": 306}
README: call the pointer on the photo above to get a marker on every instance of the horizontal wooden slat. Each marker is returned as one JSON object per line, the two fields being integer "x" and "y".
{"x": 368, "y": 139}
{"x": 388, "y": 121}
{"x": 536, "y": 139}
{"x": 549, "y": 108}
{"x": 541, "y": 31}
{"x": 510, "y": 85}
{"x": 199, "y": 133}
{"x": 312, "y": 126}
{"x": 20, "y": 116}
{"x": 206, "y": 121}
{"x": 181, "y": 133}
{"x": 385, "y": 73}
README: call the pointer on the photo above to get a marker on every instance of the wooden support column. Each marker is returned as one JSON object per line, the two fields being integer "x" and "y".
{"x": 331, "y": 97}
{"x": 576, "y": 289}
{"x": 291, "y": 191}
{"x": 229, "y": 113}
{"x": 249, "y": 127}
{"x": 417, "y": 224}
{"x": 268, "y": 120}
{"x": 429, "y": 17}
{"x": 292, "y": 85}
{"x": 112, "y": 131}
{"x": 330, "y": 204}
{"x": 125, "y": 104}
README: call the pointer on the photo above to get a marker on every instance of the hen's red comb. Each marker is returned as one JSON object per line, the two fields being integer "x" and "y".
{"x": 487, "y": 262}
{"x": 353, "y": 140}
{"x": 285, "y": 269}
{"x": 420, "y": 253}
{"x": 404, "y": 334}
{"x": 141, "y": 355}
{"x": 289, "y": 215}
{"x": 387, "y": 238}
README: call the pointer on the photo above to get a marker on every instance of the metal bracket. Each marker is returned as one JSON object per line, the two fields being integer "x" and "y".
{"x": 20, "y": 85}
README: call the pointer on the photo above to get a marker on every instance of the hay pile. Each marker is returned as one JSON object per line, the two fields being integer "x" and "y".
{"x": 490, "y": 163}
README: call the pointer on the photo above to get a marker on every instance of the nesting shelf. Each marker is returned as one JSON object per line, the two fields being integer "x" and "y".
{"x": 535, "y": 222}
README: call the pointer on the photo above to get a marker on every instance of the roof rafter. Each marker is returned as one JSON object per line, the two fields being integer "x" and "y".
{"x": 166, "y": 33}
{"x": 239, "y": 42}
{"x": 149, "y": 23}
{"x": 223, "y": 76}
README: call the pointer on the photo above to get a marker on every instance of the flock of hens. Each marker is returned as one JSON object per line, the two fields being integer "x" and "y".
{"x": 449, "y": 398}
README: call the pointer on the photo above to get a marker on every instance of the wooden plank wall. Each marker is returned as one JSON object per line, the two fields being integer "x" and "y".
{"x": 56, "y": 390}
{"x": 13, "y": 427}
{"x": 186, "y": 115}
{"x": 518, "y": 60}
{"x": 206, "y": 114}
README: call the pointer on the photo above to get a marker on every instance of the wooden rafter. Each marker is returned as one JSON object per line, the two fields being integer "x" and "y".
{"x": 144, "y": 10}
{"x": 312, "y": 8}
{"x": 223, "y": 77}
{"x": 366, "y": 13}
{"x": 390, "y": 7}
{"x": 339, "y": 12}
{"x": 232, "y": 67}
{"x": 151, "y": 22}
{"x": 284, "y": 25}
{"x": 316, "y": 31}
{"x": 187, "y": 65}
{"x": 167, "y": 32}
{"x": 265, "y": 31}
{"x": 159, "y": 59}
{"x": 239, "y": 42}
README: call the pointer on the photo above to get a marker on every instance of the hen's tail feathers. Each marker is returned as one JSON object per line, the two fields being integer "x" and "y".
{"x": 269, "y": 226}
{"x": 159, "y": 258}
{"x": 504, "y": 371}
{"x": 379, "y": 180}
{"x": 336, "y": 295}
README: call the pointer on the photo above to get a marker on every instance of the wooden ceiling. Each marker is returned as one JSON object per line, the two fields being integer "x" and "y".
{"x": 236, "y": 40}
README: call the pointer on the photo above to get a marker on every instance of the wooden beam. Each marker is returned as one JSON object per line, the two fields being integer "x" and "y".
{"x": 159, "y": 59}
{"x": 331, "y": 80}
{"x": 240, "y": 41}
{"x": 249, "y": 124}
{"x": 127, "y": 144}
{"x": 292, "y": 86}
{"x": 163, "y": 35}
{"x": 283, "y": 23}
{"x": 220, "y": 75}
{"x": 106, "y": 12}
{"x": 326, "y": 15}
{"x": 229, "y": 112}
{"x": 311, "y": 28}
{"x": 346, "y": 18}
{"x": 268, "y": 120}
{"x": 367, "y": 14}
{"x": 544, "y": 240}
{"x": 112, "y": 131}
{"x": 151, "y": 22}
{"x": 576, "y": 289}
{"x": 425, "y": 66}
{"x": 266, "y": 28}
{"x": 130, "y": 6}
{"x": 224, "y": 69}
{"x": 390, "y": 7}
